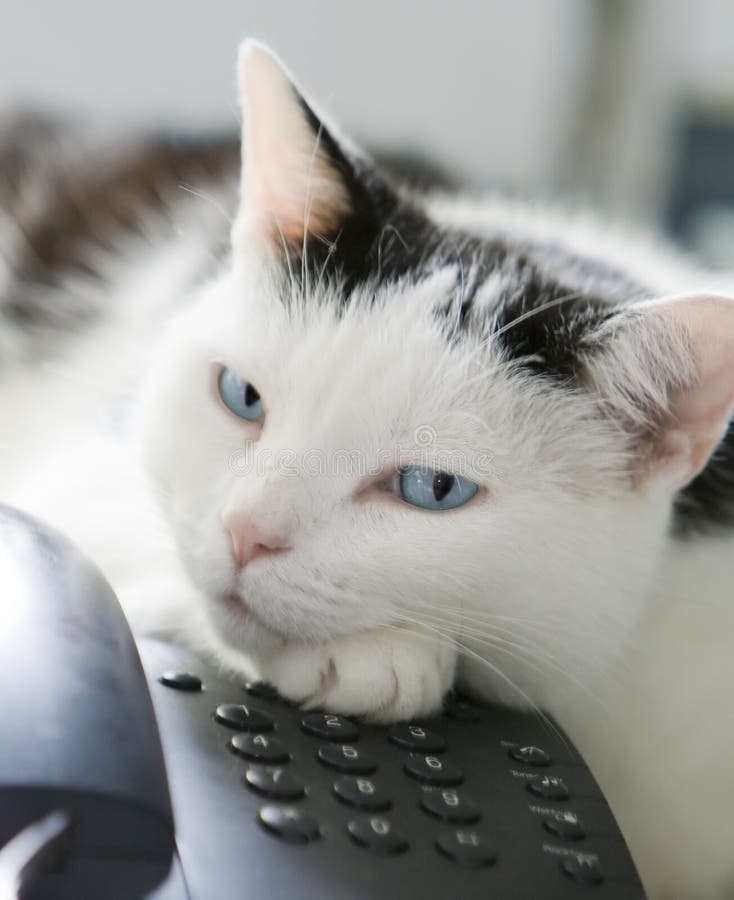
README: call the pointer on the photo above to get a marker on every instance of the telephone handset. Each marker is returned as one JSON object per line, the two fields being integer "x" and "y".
{"x": 268, "y": 800}
{"x": 78, "y": 729}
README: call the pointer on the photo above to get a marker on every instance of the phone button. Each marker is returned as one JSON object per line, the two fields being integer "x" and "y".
{"x": 346, "y": 758}
{"x": 466, "y": 848}
{"x": 260, "y": 748}
{"x": 263, "y": 690}
{"x": 433, "y": 770}
{"x": 461, "y": 710}
{"x": 274, "y": 782}
{"x": 531, "y": 756}
{"x": 181, "y": 681}
{"x": 289, "y": 823}
{"x": 243, "y": 718}
{"x": 583, "y": 868}
{"x": 377, "y": 834}
{"x": 565, "y": 825}
{"x": 329, "y": 727}
{"x": 415, "y": 737}
{"x": 550, "y": 787}
{"x": 449, "y": 806}
{"x": 361, "y": 793}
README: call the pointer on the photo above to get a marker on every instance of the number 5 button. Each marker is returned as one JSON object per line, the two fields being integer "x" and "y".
{"x": 346, "y": 758}
{"x": 433, "y": 770}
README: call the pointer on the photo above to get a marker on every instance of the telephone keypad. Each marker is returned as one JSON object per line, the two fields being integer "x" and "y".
{"x": 457, "y": 802}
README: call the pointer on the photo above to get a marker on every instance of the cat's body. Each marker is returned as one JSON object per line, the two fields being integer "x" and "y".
{"x": 591, "y": 573}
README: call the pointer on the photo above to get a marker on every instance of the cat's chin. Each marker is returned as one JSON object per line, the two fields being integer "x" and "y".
{"x": 258, "y": 632}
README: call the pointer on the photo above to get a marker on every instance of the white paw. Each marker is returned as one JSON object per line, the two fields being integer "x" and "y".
{"x": 384, "y": 676}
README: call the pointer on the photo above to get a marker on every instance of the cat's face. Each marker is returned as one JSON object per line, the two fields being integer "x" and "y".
{"x": 365, "y": 408}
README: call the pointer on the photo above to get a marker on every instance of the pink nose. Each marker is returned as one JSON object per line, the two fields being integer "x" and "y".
{"x": 250, "y": 540}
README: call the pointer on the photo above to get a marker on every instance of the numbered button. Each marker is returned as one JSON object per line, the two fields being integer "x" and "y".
{"x": 346, "y": 758}
{"x": 415, "y": 737}
{"x": 263, "y": 690}
{"x": 583, "y": 868}
{"x": 433, "y": 770}
{"x": 531, "y": 756}
{"x": 361, "y": 793}
{"x": 181, "y": 681}
{"x": 466, "y": 848}
{"x": 259, "y": 748}
{"x": 461, "y": 710}
{"x": 243, "y": 718}
{"x": 330, "y": 727}
{"x": 289, "y": 823}
{"x": 274, "y": 782}
{"x": 446, "y": 804}
{"x": 378, "y": 835}
{"x": 550, "y": 787}
{"x": 565, "y": 825}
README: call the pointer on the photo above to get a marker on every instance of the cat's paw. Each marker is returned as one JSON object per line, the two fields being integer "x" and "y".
{"x": 384, "y": 676}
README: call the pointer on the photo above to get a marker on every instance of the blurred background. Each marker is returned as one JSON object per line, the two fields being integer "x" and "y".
{"x": 625, "y": 105}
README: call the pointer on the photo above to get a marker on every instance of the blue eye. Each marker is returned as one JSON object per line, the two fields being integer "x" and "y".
{"x": 430, "y": 489}
{"x": 239, "y": 396}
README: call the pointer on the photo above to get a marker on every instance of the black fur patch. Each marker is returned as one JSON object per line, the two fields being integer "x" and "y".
{"x": 707, "y": 503}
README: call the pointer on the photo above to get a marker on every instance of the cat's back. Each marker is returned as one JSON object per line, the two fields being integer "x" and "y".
{"x": 82, "y": 208}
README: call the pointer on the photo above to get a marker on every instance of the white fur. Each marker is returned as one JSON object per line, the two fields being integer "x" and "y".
{"x": 556, "y": 587}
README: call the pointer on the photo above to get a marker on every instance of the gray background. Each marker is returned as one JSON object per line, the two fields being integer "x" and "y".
{"x": 581, "y": 96}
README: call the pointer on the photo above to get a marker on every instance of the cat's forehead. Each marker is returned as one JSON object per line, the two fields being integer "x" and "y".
{"x": 380, "y": 361}
{"x": 381, "y": 330}
{"x": 388, "y": 369}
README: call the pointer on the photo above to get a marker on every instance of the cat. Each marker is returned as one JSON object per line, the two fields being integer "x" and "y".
{"x": 371, "y": 442}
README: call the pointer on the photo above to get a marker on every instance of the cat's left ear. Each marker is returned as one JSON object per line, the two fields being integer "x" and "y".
{"x": 300, "y": 185}
{"x": 667, "y": 368}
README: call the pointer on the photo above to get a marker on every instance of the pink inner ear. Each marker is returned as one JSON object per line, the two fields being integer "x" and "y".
{"x": 288, "y": 185}
{"x": 701, "y": 412}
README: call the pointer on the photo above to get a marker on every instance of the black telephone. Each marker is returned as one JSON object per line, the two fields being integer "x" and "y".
{"x": 165, "y": 781}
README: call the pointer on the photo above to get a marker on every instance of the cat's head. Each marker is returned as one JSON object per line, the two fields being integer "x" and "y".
{"x": 371, "y": 417}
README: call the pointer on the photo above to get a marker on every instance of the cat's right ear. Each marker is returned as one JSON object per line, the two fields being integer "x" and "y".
{"x": 301, "y": 187}
{"x": 665, "y": 370}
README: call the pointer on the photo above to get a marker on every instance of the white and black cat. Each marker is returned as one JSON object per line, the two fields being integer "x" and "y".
{"x": 394, "y": 440}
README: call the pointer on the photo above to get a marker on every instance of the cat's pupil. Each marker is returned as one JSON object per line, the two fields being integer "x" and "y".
{"x": 442, "y": 484}
{"x": 251, "y": 395}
